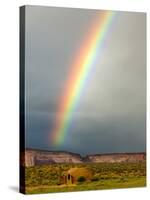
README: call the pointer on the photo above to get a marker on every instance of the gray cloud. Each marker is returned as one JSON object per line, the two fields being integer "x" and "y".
{"x": 110, "y": 115}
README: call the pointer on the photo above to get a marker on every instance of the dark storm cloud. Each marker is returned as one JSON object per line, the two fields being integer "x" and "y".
{"x": 110, "y": 116}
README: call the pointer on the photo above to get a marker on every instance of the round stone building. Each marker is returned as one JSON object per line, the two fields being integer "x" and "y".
{"x": 74, "y": 175}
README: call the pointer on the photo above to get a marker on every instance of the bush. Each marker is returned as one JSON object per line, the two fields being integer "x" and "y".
{"x": 81, "y": 179}
{"x": 95, "y": 179}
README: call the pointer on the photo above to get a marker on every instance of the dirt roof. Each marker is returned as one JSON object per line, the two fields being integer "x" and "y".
{"x": 80, "y": 171}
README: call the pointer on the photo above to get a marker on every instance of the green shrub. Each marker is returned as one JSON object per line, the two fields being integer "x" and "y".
{"x": 95, "y": 178}
{"x": 81, "y": 179}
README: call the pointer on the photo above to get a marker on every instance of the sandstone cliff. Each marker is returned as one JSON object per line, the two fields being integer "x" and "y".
{"x": 116, "y": 157}
{"x": 33, "y": 157}
{"x": 38, "y": 157}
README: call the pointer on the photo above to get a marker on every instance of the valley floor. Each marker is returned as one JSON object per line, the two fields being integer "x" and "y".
{"x": 99, "y": 185}
{"x": 46, "y": 179}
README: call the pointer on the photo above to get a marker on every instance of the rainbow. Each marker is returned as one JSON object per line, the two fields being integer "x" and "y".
{"x": 80, "y": 70}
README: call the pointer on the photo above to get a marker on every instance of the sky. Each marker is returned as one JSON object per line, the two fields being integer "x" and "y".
{"x": 111, "y": 113}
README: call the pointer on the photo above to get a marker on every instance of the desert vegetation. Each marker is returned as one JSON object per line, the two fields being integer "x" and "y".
{"x": 47, "y": 178}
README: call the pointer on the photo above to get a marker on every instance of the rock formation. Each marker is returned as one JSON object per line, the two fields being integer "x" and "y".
{"x": 116, "y": 157}
{"x": 39, "y": 157}
{"x": 33, "y": 157}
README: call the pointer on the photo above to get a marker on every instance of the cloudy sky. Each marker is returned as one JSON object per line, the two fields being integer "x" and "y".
{"x": 110, "y": 116}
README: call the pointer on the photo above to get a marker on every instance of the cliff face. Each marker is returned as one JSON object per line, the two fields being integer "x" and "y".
{"x": 37, "y": 157}
{"x": 112, "y": 158}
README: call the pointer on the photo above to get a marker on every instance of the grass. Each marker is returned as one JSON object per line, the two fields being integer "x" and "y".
{"x": 105, "y": 184}
{"x": 45, "y": 179}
